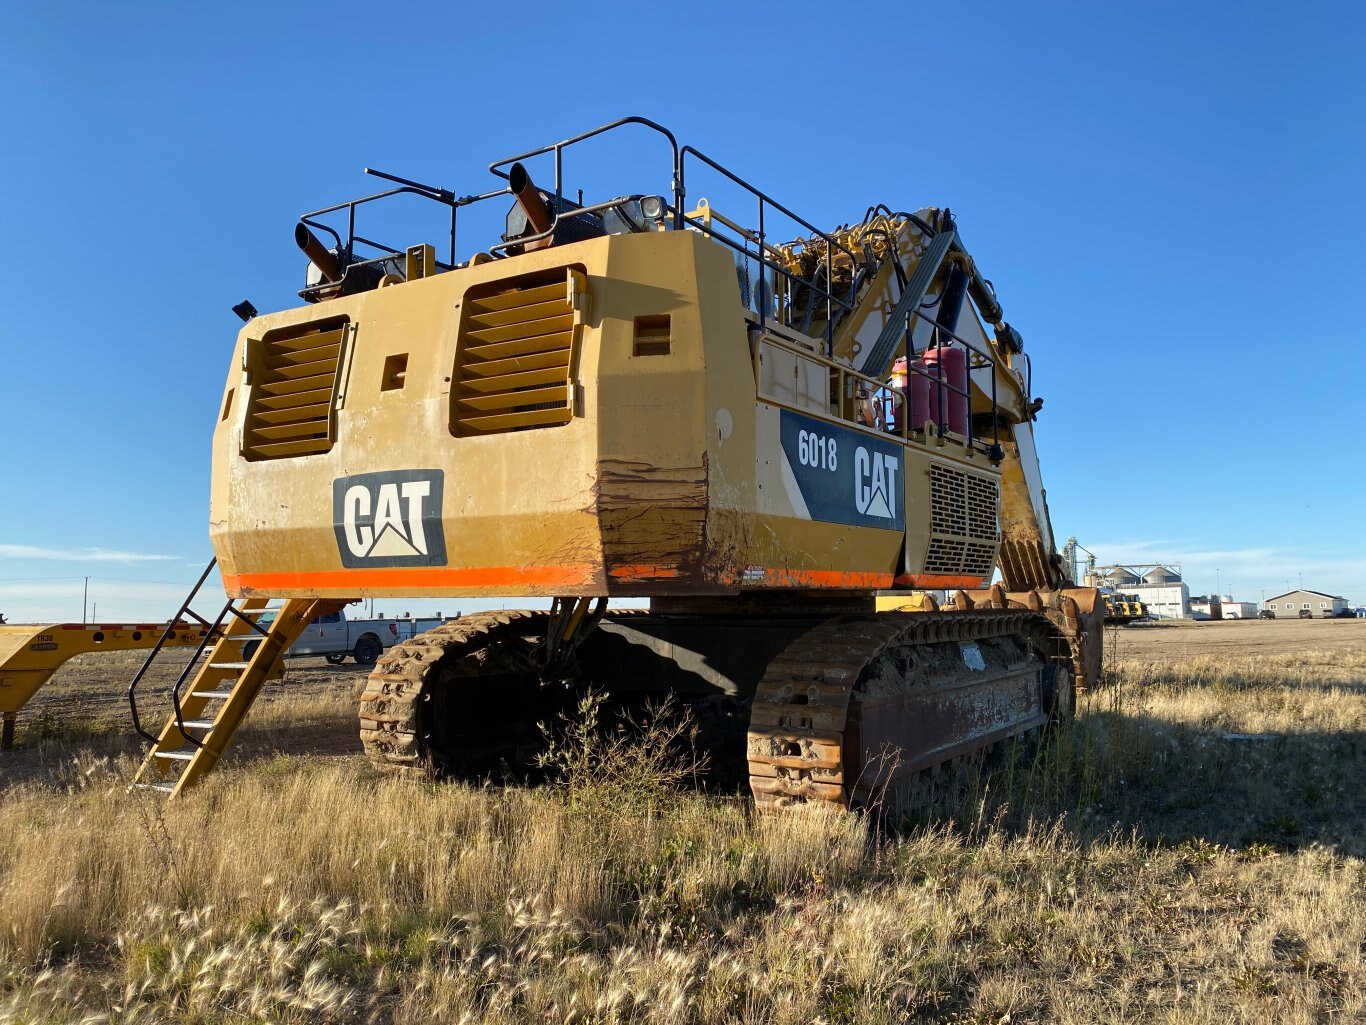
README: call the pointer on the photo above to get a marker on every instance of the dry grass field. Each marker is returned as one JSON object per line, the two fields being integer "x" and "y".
{"x": 1191, "y": 849}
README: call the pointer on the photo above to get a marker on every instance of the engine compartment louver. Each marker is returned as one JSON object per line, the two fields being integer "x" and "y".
{"x": 515, "y": 354}
{"x": 964, "y": 522}
{"x": 293, "y": 374}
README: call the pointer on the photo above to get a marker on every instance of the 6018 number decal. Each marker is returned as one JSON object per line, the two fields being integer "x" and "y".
{"x": 817, "y": 450}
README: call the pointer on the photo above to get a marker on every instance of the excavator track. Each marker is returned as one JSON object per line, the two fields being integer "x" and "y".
{"x": 858, "y": 710}
{"x": 394, "y": 727}
{"x": 843, "y": 717}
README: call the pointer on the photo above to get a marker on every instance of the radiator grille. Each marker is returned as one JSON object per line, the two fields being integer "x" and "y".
{"x": 514, "y": 355}
{"x": 294, "y": 373}
{"x": 964, "y": 530}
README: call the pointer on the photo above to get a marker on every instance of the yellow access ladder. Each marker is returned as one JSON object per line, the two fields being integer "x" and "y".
{"x": 208, "y": 711}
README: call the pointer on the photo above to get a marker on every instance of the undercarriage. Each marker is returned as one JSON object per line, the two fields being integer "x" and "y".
{"x": 838, "y": 705}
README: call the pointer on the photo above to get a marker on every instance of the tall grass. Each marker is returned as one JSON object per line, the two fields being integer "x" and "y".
{"x": 1139, "y": 866}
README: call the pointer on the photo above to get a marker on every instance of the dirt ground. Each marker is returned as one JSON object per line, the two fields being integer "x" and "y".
{"x": 1191, "y": 850}
{"x": 312, "y": 711}
{"x": 92, "y": 689}
{"x": 1181, "y": 639}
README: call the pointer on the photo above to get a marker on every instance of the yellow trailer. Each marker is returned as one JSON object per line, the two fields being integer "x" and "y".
{"x": 29, "y": 655}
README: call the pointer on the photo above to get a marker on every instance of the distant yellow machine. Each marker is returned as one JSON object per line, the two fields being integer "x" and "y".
{"x": 29, "y": 655}
{"x": 1123, "y": 608}
{"x": 755, "y": 424}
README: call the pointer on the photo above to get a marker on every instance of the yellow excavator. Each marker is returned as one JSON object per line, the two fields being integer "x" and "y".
{"x": 758, "y": 425}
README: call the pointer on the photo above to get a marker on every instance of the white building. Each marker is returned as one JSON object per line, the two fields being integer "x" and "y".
{"x": 1238, "y": 609}
{"x": 1163, "y": 591}
{"x": 1203, "y": 607}
{"x": 1160, "y": 589}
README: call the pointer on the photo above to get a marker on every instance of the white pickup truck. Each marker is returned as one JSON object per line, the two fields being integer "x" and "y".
{"x": 334, "y": 637}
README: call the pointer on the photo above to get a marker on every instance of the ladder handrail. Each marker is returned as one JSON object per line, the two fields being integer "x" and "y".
{"x": 166, "y": 635}
{"x": 218, "y": 708}
{"x": 213, "y": 632}
{"x": 185, "y": 673}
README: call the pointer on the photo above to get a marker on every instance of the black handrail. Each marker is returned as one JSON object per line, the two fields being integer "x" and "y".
{"x": 558, "y": 148}
{"x": 987, "y": 362}
{"x": 847, "y": 305}
{"x": 406, "y": 187}
{"x": 677, "y": 211}
{"x": 679, "y": 156}
{"x": 167, "y": 634}
{"x": 213, "y": 633}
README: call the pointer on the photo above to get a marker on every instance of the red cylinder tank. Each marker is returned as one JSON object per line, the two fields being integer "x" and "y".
{"x": 918, "y": 395}
{"x": 954, "y": 366}
{"x": 913, "y": 405}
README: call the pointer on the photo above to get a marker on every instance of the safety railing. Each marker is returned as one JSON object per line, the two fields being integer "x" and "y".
{"x": 773, "y": 303}
{"x": 174, "y": 621}
{"x": 751, "y": 244}
{"x": 890, "y": 405}
{"x": 213, "y": 633}
{"x": 558, "y": 148}
{"x": 977, "y": 359}
{"x": 764, "y": 252}
{"x": 406, "y": 186}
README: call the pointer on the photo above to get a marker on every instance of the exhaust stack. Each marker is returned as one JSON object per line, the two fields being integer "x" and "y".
{"x": 533, "y": 205}
{"x": 322, "y": 257}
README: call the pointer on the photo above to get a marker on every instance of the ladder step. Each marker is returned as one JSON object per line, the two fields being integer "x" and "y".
{"x": 161, "y": 788}
{"x": 228, "y": 665}
{"x": 175, "y": 756}
{"x": 199, "y": 724}
{"x": 213, "y": 694}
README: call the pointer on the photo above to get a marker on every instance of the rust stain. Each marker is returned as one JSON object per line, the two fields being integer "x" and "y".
{"x": 653, "y": 521}
{"x": 826, "y": 578}
{"x": 627, "y": 484}
{"x": 642, "y": 572}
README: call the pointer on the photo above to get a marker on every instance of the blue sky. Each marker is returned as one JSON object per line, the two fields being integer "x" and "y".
{"x": 1168, "y": 197}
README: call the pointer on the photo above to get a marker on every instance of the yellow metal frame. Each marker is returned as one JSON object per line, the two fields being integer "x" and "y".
{"x": 29, "y": 655}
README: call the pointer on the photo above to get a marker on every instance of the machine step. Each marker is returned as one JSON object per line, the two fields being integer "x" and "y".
{"x": 214, "y": 695}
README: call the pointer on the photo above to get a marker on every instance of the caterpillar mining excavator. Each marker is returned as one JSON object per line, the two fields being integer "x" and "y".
{"x": 642, "y": 398}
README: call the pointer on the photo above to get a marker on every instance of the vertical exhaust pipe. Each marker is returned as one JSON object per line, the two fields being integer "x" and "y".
{"x": 533, "y": 205}
{"x": 322, "y": 258}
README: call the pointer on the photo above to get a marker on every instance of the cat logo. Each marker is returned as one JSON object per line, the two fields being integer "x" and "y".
{"x": 836, "y": 474}
{"x": 875, "y": 484}
{"x": 391, "y": 518}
